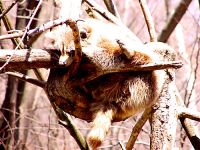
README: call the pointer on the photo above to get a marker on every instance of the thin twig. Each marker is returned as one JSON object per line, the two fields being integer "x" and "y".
{"x": 122, "y": 145}
{"x": 38, "y": 74}
{"x": 149, "y": 20}
{"x": 36, "y": 71}
{"x": 26, "y": 78}
{"x": 189, "y": 93}
{"x": 38, "y": 30}
{"x": 12, "y": 35}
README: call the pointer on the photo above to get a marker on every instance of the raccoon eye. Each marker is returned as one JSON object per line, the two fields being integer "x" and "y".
{"x": 83, "y": 34}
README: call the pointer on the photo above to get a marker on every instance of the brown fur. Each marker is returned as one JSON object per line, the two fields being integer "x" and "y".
{"x": 115, "y": 96}
{"x": 139, "y": 91}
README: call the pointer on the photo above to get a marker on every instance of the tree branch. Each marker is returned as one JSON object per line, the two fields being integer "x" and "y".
{"x": 7, "y": 23}
{"x": 174, "y": 20}
{"x": 149, "y": 20}
{"x": 137, "y": 128}
{"x": 28, "y": 79}
{"x": 163, "y": 120}
{"x": 106, "y": 14}
{"x": 16, "y": 42}
{"x": 187, "y": 124}
{"x": 28, "y": 58}
{"x": 67, "y": 122}
{"x": 110, "y": 17}
{"x": 184, "y": 112}
{"x": 111, "y": 7}
{"x": 37, "y": 30}
{"x": 8, "y": 9}
{"x": 38, "y": 58}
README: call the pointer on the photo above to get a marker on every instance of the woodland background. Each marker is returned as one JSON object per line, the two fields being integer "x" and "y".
{"x": 34, "y": 124}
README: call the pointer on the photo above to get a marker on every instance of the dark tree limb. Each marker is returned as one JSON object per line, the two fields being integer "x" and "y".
{"x": 190, "y": 132}
{"x": 28, "y": 79}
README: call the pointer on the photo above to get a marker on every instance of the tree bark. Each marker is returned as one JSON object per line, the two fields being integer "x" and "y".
{"x": 28, "y": 59}
{"x": 164, "y": 121}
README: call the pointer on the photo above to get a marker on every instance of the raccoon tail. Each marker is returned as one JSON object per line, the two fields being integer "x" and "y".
{"x": 100, "y": 127}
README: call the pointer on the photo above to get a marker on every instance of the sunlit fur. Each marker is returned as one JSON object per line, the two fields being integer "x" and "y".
{"x": 124, "y": 96}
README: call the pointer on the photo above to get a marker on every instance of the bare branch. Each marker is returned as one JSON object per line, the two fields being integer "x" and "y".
{"x": 106, "y": 14}
{"x": 20, "y": 43}
{"x": 111, "y": 7}
{"x": 187, "y": 125}
{"x": 188, "y": 113}
{"x": 11, "y": 36}
{"x": 37, "y": 30}
{"x": 137, "y": 128}
{"x": 190, "y": 132}
{"x": 149, "y": 20}
{"x": 174, "y": 20}
{"x": 28, "y": 58}
{"x": 8, "y": 9}
{"x": 149, "y": 67}
{"x": 110, "y": 17}
{"x": 67, "y": 122}
{"x": 163, "y": 120}
{"x": 7, "y": 23}
{"x": 193, "y": 76}
{"x": 38, "y": 58}
{"x": 27, "y": 79}
{"x": 122, "y": 145}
